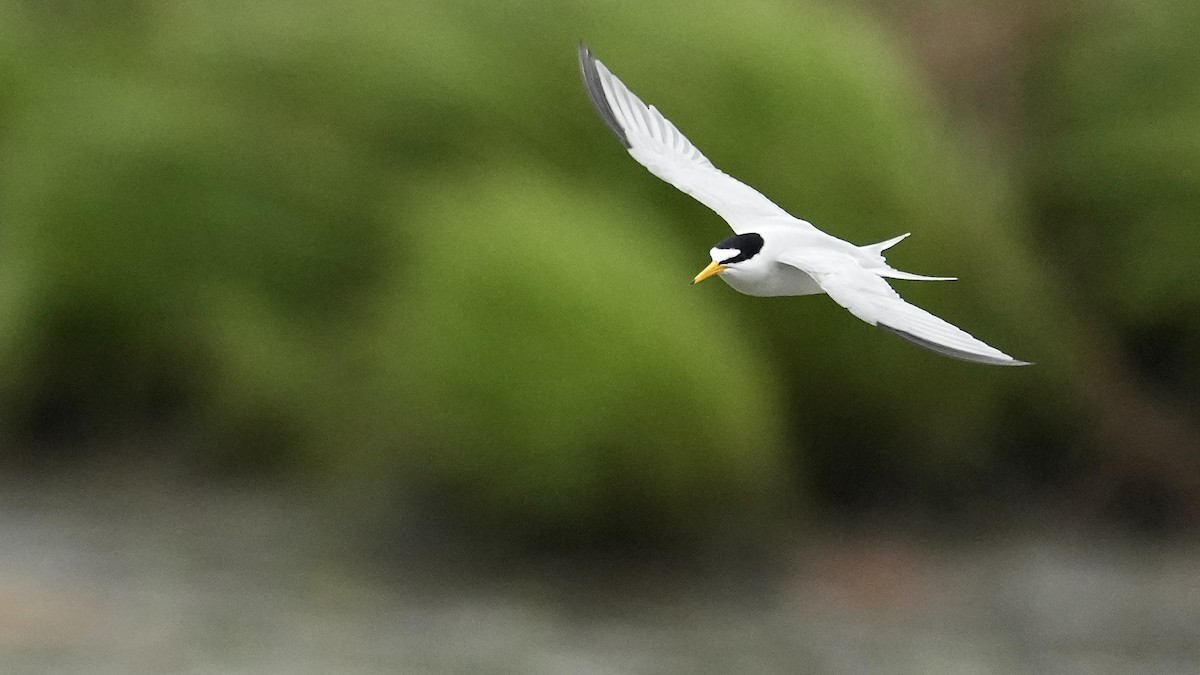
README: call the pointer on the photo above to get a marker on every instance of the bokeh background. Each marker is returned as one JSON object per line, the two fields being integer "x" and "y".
{"x": 344, "y": 337}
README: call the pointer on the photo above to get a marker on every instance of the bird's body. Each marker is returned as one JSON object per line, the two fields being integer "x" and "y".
{"x": 765, "y": 276}
{"x": 773, "y": 253}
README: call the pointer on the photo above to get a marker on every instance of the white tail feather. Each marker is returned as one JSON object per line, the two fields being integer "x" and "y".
{"x": 897, "y": 274}
{"x": 882, "y": 246}
{"x": 886, "y": 270}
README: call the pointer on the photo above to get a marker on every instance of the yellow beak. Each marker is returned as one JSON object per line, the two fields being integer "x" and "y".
{"x": 713, "y": 268}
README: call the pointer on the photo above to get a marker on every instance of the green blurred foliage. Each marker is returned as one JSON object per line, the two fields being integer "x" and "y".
{"x": 392, "y": 245}
{"x": 585, "y": 378}
{"x": 1114, "y": 177}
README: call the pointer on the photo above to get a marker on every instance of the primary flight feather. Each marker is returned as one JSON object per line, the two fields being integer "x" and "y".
{"x": 772, "y": 252}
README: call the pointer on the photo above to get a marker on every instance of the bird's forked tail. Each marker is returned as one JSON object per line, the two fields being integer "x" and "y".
{"x": 882, "y": 246}
{"x": 887, "y": 270}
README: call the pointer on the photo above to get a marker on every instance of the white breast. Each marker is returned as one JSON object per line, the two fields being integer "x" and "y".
{"x": 776, "y": 280}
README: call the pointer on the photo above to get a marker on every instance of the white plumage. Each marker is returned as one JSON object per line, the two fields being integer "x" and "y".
{"x": 773, "y": 252}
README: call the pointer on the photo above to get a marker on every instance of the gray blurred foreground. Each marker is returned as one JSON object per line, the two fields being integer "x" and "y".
{"x": 157, "y": 579}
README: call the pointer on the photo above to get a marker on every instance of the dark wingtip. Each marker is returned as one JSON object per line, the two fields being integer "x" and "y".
{"x": 951, "y": 352}
{"x": 591, "y": 81}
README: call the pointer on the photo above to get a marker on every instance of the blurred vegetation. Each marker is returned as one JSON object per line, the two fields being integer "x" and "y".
{"x": 1114, "y": 177}
{"x": 391, "y": 249}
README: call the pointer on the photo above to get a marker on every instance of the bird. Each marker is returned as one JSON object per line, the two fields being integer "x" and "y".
{"x": 773, "y": 253}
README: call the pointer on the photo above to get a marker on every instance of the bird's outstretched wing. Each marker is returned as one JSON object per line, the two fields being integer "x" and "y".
{"x": 871, "y": 299}
{"x": 657, "y": 145}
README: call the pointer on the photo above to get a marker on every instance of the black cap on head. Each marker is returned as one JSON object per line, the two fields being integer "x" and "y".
{"x": 747, "y": 245}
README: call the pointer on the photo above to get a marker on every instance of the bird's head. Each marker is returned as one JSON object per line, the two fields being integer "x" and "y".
{"x": 734, "y": 255}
